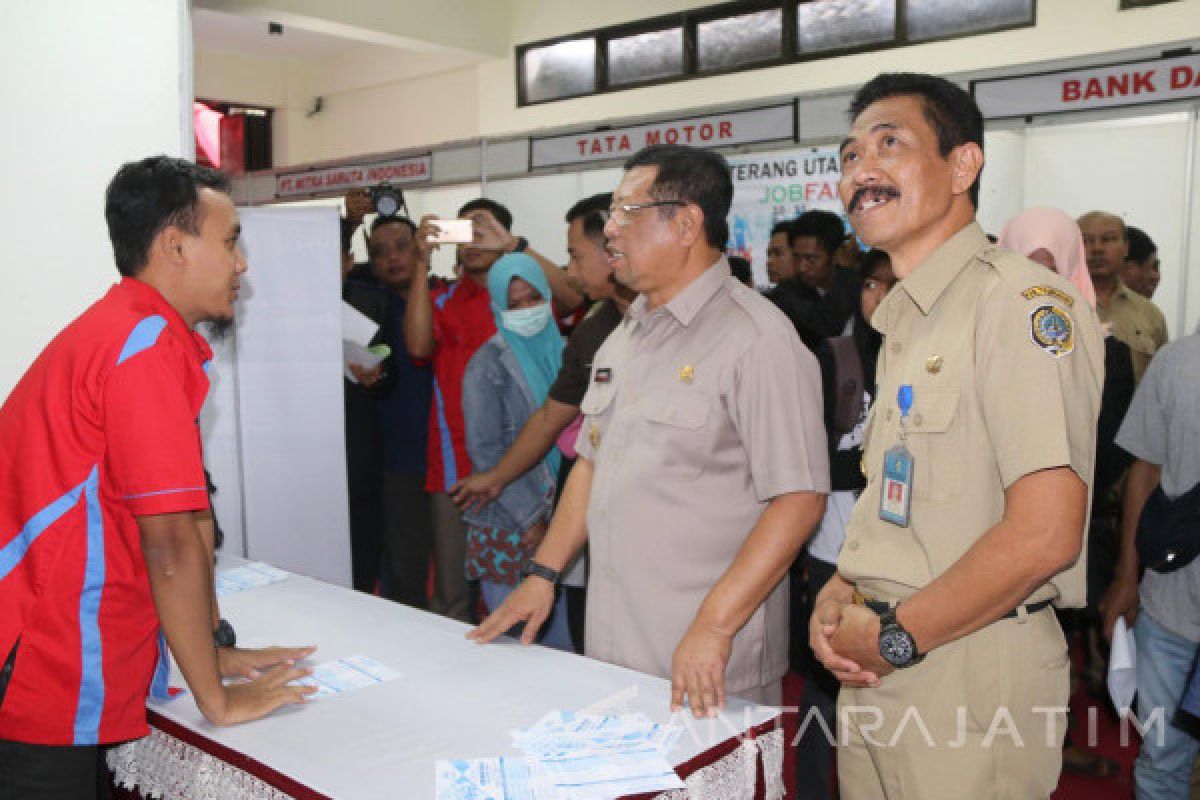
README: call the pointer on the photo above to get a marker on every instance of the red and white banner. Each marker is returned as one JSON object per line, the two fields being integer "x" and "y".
{"x": 1113, "y": 86}
{"x": 714, "y": 130}
{"x": 336, "y": 179}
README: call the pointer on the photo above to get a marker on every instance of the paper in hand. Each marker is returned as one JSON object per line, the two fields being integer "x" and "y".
{"x": 1122, "y": 667}
{"x": 357, "y": 327}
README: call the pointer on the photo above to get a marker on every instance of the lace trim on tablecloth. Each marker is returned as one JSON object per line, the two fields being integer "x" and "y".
{"x": 733, "y": 777}
{"x": 161, "y": 766}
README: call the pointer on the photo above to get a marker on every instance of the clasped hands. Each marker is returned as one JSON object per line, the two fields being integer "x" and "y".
{"x": 844, "y": 637}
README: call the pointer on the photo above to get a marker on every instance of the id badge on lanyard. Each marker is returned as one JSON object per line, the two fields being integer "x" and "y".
{"x": 895, "y": 495}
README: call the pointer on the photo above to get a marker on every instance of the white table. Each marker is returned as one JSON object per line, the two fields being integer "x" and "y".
{"x": 455, "y": 699}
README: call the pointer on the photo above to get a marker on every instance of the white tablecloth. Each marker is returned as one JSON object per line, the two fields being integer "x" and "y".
{"x": 455, "y": 699}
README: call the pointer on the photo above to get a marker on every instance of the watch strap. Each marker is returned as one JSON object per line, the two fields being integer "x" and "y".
{"x": 224, "y": 635}
{"x": 542, "y": 571}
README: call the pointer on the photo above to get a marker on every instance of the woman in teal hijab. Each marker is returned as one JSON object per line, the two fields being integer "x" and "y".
{"x": 528, "y": 329}
{"x": 506, "y": 381}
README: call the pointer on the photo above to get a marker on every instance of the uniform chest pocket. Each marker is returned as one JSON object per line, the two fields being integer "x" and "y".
{"x": 934, "y": 439}
{"x": 597, "y": 399}
{"x": 674, "y": 443}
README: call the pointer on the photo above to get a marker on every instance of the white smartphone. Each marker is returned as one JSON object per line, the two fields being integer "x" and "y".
{"x": 453, "y": 231}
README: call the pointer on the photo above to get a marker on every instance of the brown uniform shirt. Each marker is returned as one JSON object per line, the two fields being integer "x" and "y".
{"x": 699, "y": 413}
{"x": 1138, "y": 323}
{"x": 1006, "y": 362}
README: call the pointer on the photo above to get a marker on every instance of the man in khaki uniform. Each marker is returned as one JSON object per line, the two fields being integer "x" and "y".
{"x": 954, "y": 670}
{"x": 702, "y": 462}
{"x": 1133, "y": 319}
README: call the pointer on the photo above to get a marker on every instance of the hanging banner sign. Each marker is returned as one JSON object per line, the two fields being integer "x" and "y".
{"x": 1135, "y": 83}
{"x": 714, "y": 130}
{"x": 336, "y": 179}
{"x": 776, "y": 186}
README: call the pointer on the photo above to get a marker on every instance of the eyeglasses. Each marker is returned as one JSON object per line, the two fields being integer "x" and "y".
{"x": 621, "y": 214}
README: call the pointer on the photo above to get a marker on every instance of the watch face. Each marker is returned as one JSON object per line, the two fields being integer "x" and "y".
{"x": 897, "y": 648}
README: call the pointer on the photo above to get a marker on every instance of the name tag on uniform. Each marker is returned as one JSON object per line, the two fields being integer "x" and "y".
{"x": 895, "y": 495}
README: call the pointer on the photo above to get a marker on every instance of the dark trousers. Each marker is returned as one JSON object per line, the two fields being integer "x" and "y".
{"x": 46, "y": 772}
{"x": 364, "y": 485}
{"x": 814, "y": 750}
{"x": 407, "y": 539}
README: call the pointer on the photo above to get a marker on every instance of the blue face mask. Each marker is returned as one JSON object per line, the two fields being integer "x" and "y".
{"x": 527, "y": 321}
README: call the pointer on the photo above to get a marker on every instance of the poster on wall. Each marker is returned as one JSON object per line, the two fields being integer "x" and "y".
{"x": 775, "y": 186}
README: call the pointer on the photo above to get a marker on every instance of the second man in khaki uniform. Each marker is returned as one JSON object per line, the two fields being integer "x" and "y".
{"x": 702, "y": 461}
{"x": 978, "y": 456}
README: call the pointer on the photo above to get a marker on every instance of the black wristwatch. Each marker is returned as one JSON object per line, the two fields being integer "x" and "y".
{"x": 521, "y": 244}
{"x": 896, "y": 645}
{"x": 224, "y": 636}
{"x": 542, "y": 571}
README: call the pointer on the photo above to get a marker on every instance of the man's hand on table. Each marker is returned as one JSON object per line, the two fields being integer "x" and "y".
{"x": 698, "y": 670}
{"x": 531, "y": 602}
{"x": 273, "y": 689}
{"x": 239, "y": 662}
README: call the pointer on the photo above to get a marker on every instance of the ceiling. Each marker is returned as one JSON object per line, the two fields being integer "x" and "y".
{"x": 223, "y": 32}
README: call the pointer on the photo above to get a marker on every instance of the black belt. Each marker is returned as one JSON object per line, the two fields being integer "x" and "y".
{"x": 880, "y": 607}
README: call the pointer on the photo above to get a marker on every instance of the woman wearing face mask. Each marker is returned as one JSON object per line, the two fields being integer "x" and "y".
{"x": 506, "y": 381}
{"x": 1052, "y": 239}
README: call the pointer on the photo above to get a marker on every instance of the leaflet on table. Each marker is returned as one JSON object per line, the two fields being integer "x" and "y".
{"x": 346, "y": 675}
{"x": 247, "y": 576}
{"x": 584, "y": 734}
{"x": 570, "y": 756}
{"x": 490, "y": 779}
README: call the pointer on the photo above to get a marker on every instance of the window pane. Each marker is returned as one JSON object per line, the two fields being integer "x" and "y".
{"x": 645, "y": 56}
{"x": 560, "y": 70}
{"x": 834, "y": 24}
{"x": 744, "y": 39}
{"x": 928, "y": 19}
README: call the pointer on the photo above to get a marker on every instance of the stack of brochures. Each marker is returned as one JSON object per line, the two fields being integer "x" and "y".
{"x": 570, "y": 756}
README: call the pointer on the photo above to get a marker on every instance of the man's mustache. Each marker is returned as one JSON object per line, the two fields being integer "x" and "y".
{"x": 889, "y": 192}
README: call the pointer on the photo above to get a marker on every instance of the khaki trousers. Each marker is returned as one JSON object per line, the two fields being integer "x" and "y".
{"x": 981, "y": 718}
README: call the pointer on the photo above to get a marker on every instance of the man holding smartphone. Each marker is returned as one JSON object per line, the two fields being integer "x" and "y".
{"x": 447, "y": 326}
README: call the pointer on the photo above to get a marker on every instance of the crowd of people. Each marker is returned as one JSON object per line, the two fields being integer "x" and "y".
{"x": 895, "y": 470}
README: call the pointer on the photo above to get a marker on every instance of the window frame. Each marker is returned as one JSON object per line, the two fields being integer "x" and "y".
{"x": 655, "y": 25}
{"x": 688, "y": 22}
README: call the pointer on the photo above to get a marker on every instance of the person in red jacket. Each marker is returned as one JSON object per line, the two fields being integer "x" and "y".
{"x": 102, "y": 558}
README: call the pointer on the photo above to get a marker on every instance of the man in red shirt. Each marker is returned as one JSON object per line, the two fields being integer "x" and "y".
{"x": 448, "y": 326}
{"x": 101, "y": 491}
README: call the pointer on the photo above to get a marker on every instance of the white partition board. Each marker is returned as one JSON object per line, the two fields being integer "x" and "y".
{"x": 280, "y": 399}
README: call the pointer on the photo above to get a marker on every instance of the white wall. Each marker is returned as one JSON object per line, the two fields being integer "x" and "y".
{"x": 370, "y": 102}
{"x": 88, "y": 87}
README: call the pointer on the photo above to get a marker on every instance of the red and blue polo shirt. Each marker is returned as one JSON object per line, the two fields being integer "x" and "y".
{"x": 100, "y": 430}
{"x": 462, "y": 322}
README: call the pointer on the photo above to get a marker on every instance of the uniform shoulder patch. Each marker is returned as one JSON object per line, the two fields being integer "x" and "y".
{"x": 1036, "y": 292}
{"x": 1052, "y": 330}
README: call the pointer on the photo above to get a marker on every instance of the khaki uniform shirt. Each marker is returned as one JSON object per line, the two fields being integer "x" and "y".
{"x": 699, "y": 412}
{"x": 1006, "y": 362}
{"x": 1138, "y": 323}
